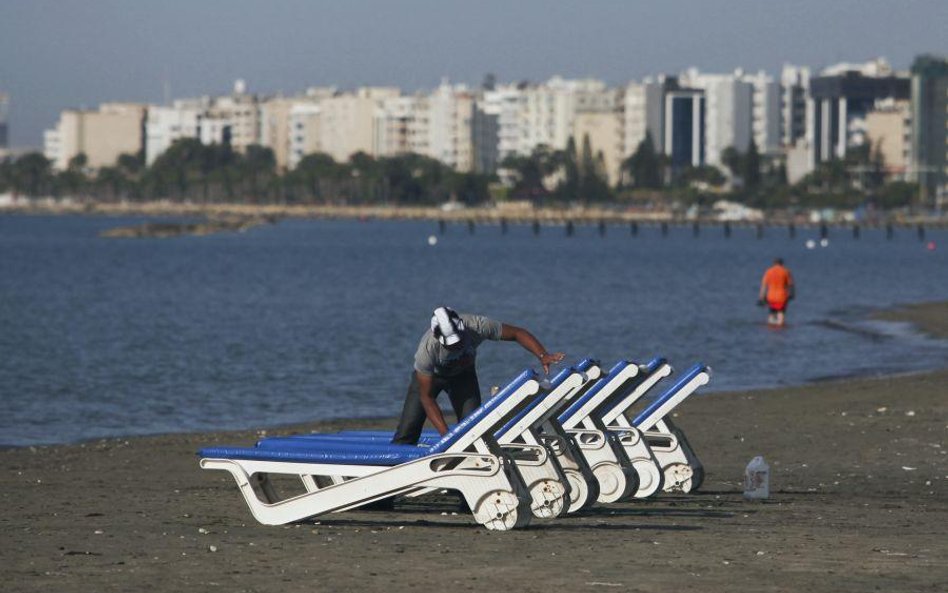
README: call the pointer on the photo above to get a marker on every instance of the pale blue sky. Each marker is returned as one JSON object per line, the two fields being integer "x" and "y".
{"x": 62, "y": 54}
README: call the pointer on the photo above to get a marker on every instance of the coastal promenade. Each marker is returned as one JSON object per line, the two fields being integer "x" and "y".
{"x": 630, "y": 217}
{"x": 859, "y": 501}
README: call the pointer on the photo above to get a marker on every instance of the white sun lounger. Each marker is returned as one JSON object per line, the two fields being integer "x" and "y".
{"x": 681, "y": 469}
{"x": 467, "y": 459}
{"x": 553, "y": 487}
{"x": 616, "y": 475}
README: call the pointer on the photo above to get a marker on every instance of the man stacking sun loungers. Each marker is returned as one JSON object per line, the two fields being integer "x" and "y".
{"x": 540, "y": 448}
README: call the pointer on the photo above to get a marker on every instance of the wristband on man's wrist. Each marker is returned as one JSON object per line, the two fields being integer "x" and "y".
{"x": 541, "y": 355}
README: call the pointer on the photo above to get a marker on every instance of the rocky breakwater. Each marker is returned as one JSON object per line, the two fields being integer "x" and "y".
{"x": 175, "y": 229}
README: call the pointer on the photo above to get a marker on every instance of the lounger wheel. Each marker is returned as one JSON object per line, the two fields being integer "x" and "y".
{"x": 678, "y": 477}
{"x": 500, "y": 511}
{"x": 549, "y": 498}
{"x": 613, "y": 482}
{"x": 580, "y": 491}
{"x": 650, "y": 477}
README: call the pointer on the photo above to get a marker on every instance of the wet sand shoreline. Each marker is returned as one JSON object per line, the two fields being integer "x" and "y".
{"x": 859, "y": 503}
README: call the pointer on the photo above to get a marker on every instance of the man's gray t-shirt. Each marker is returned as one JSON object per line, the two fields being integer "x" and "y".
{"x": 432, "y": 358}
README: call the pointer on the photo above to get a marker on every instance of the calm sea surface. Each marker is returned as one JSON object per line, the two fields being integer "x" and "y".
{"x": 308, "y": 320}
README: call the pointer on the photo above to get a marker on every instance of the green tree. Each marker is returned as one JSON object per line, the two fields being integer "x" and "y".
{"x": 734, "y": 161}
{"x": 644, "y": 166}
{"x": 258, "y": 167}
{"x": 31, "y": 175}
{"x": 752, "y": 167}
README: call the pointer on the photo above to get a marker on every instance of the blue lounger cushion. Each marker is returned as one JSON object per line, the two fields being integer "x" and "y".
{"x": 385, "y": 454}
{"x": 369, "y": 453}
{"x": 669, "y": 393}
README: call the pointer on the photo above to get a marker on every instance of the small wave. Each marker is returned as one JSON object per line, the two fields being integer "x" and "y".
{"x": 859, "y": 329}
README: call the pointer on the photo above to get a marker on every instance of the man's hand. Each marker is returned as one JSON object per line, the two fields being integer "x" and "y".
{"x": 548, "y": 358}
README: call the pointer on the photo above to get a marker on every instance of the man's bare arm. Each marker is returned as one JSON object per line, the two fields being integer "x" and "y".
{"x": 529, "y": 342}
{"x": 429, "y": 404}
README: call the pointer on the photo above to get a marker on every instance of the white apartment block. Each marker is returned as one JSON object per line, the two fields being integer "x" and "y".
{"x": 165, "y": 125}
{"x": 765, "y": 112}
{"x": 728, "y": 115}
{"x": 548, "y": 111}
{"x": 740, "y": 107}
{"x": 348, "y": 122}
{"x": 642, "y": 111}
{"x": 303, "y": 133}
{"x": 234, "y": 119}
{"x": 403, "y": 126}
{"x": 450, "y": 110}
{"x": 503, "y": 106}
{"x": 795, "y": 91}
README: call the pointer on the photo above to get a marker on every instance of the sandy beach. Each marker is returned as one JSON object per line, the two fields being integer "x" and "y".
{"x": 859, "y": 502}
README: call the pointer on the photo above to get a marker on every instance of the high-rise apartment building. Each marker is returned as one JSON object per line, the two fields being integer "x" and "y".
{"x": 728, "y": 112}
{"x": 4, "y": 123}
{"x": 499, "y": 109}
{"x": 765, "y": 112}
{"x": 840, "y": 99}
{"x": 795, "y": 92}
{"x": 930, "y": 129}
{"x": 643, "y": 112}
{"x": 684, "y": 127}
{"x": 450, "y": 111}
{"x": 888, "y": 134}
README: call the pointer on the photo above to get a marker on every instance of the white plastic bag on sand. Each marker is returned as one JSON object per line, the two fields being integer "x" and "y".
{"x": 757, "y": 479}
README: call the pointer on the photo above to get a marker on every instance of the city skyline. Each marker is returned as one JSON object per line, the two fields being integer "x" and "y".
{"x": 126, "y": 53}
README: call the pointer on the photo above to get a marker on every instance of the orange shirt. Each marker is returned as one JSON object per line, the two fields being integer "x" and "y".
{"x": 777, "y": 279}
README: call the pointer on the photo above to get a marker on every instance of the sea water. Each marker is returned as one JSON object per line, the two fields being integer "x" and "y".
{"x": 313, "y": 319}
